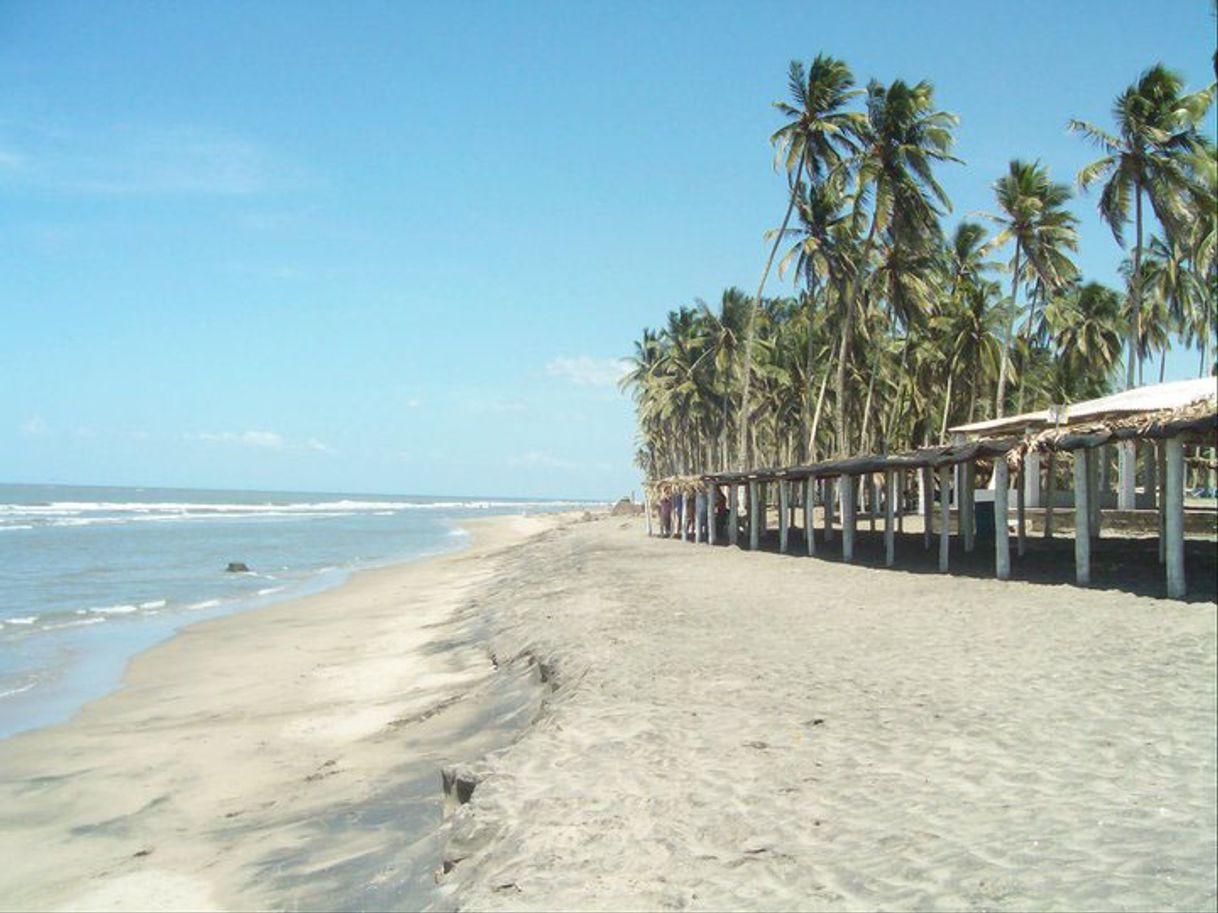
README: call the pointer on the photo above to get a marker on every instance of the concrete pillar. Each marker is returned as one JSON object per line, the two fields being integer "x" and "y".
{"x": 1021, "y": 514}
{"x": 1094, "y": 518}
{"x": 849, "y": 486}
{"x": 698, "y": 496}
{"x": 1161, "y": 461}
{"x": 1174, "y": 526}
{"x": 875, "y": 498}
{"x": 1151, "y": 457}
{"x": 712, "y": 493}
{"x": 1050, "y": 491}
{"x": 1127, "y": 470}
{"x": 900, "y": 499}
{"x": 830, "y": 492}
{"x": 928, "y": 504}
{"x": 1002, "y": 536}
{"x": 763, "y": 507}
{"x": 754, "y": 524}
{"x": 810, "y": 514}
{"x": 784, "y": 517}
{"x": 967, "y": 517}
{"x": 1031, "y": 479}
{"x": 889, "y": 511}
{"x": 647, "y": 510}
{"x": 733, "y": 513}
{"x": 1082, "y": 518}
{"x": 945, "y": 506}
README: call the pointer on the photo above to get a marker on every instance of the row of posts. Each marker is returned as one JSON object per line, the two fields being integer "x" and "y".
{"x": 1167, "y": 469}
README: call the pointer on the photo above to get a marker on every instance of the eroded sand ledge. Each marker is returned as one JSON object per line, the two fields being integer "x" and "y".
{"x": 283, "y": 758}
{"x": 745, "y": 730}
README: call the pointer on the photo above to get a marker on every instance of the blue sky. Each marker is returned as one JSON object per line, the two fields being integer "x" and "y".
{"x": 398, "y": 247}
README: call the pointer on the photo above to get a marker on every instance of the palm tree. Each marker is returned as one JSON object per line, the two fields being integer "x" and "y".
{"x": 1034, "y": 218}
{"x": 1087, "y": 327}
{"x": 814, "y": 140}
{"x": 904, "y": 137}
{"x": 1156, "y": 131}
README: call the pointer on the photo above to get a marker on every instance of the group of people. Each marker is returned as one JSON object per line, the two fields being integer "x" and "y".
{"x": 688, "y": 507}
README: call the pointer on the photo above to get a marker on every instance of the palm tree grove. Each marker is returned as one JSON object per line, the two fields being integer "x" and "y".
{"x": 903, "y": 320}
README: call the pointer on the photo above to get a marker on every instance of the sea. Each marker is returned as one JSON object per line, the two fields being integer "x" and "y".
{"x": 90, "y": 576}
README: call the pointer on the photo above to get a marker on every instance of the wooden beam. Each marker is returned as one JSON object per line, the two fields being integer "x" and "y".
{"x": 1177, "y": 586}
{"x": 1002, "y": 536}
{"x": 1082, "y": 518}
{"x": 848, "y": 514}
{"x": 945, "y": 518}
{"x": 754, "y": 525}
{"x": 810, "y": 513}
{"x": 784, "y": 517}
{"x": 889, "y": 511}
{"x": 1050, "y": 492}
{"x": 733, "y": 513}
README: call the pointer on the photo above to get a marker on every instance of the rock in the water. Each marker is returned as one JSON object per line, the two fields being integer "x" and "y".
{"x": 237, "y": 567}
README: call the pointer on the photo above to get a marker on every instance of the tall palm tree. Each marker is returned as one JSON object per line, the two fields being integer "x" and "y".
{"x": 1156, "y": 132}
{"x": 813, "y": 141}
{"x": 904, "y": 137}
{"x": 1033, "y": 216}
{"x": 1087, "y": 327}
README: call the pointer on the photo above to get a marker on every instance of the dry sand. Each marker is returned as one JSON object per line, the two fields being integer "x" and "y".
{"x": 736, "y": 730}
{"x": 716, "y": 729}
{"x": 286, "y": 758}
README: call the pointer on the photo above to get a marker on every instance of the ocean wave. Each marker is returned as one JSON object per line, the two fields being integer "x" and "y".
{"x": 267, "y": 591}
{"x": 11, "y": 691}
{"x": 153, "y": 604}
{"x": 15, "y": 527}
{"x": 79, "y": 623}
{"x": 205, "y": 604}
{"x": 22, "y": 619}
{"x": 124, "y": 609}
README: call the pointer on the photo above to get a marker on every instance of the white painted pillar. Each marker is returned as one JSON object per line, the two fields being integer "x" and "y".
{"x": 848, "y": 515}
{"x": 1093, "y": 492}
{"x": 647, "y": 510}
{"x": 810, "y": 513}
{"x": 784, "y": 517}
{"x": 1050, "y": 491}
{"x": 1161, "y": 461}
{"x": 1031, "y": 479}
{"x": 889, "y": 511}
{"x": 1127, "y": 469}
{"x": 697, "y": 519}
{"x": 967, "y": 517}
{"x": 1177, "y": 587}
{"x": 1151, "y": 456}
{"x": 733, "y": 513}
{"x": 712, "y": 492}
{"x": 945, "y": 518}
{"x": 928, "y": 505}
{"x": 1002, "y": 536}
{"x": 1021, "y": 514}
{"x": 830, "y": 486}
{"x": 754, "y": 525}
{"x": 1082, "y": 518}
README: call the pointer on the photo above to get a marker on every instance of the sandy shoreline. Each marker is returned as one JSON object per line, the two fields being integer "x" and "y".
{"x": 741, "y": 730}
{"x": 285, "y": 758}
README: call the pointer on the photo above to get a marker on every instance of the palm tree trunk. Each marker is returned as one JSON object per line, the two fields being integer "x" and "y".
{"x": 765, "y": 274}
{"x": 1136, "y": 289}
{"x": 1027, "y": 338}
{"x": 947, "y": 400}
{"x": 843, "y": 439}
{"x": 1006, "y": 344}
{"x": 820, "y": 401}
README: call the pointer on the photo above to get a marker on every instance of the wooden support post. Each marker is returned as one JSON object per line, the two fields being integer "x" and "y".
{"x": 733, "y": 514}
{"x": 967, "y": 517}
{"x": 1127, "y": 470}
{"x": 763, "y": 507}
{"x": 784, "y": 516}
{"x": 754, "y": 524}
{"x": 1093, "y": 491}
{"x": 889, "y": 510}
{"x": 698, "y": 497}
{"x": 810, "y": 513}
{"x": 848, "y": 488}
{"x": 1153, "y": 474}
{"x": 830, "y": 494}
{"x": 945, "y": 517}
{"x": 1031, "y": 479}
{"x": 928, "y": 506}
{"x": 1082, "y": 518}
{"x": 712, "y": 493}
{"x": 875, "y": 498}
{"x": 647, "y": 510}
{"x": 1002, "y": 535}
{"x": 1174, "y": 526}
{"x": 1050, "y": 492}
{"x": 1161, "y": 461}
{"x": 691, "y": 512}
{"x": 1021, "y": 514}
{"x": 900, "y": 500}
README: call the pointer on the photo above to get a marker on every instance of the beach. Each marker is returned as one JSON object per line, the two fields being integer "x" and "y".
{"x": 745, "y": 730}
{"x": 646, "y": 724}
{"x": 282, "y": 758}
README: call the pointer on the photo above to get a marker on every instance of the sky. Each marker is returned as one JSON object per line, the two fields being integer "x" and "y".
{"x": 401, "y": 247}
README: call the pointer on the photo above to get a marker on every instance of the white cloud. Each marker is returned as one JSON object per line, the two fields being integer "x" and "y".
{"x": 317, "y": 446}
{"x": 586, "y": 371}
{"x": 267, "y": 440}
{"x": 33, "y": 427}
